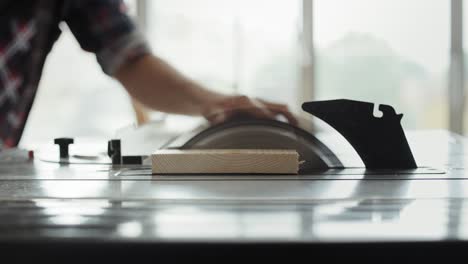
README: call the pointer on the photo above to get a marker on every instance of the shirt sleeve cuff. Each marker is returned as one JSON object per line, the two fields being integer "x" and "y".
{"x": 127, "y": 48}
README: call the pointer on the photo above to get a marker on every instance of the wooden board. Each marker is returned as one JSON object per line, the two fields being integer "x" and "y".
{"x": 232, "y": 161}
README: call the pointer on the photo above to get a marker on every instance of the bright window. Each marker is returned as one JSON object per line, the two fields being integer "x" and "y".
{"x": 243, "y": 46}
{"x": 394, "y": 52}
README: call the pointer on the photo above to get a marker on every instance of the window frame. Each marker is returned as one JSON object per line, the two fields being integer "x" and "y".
{"x": 456, "y": 76}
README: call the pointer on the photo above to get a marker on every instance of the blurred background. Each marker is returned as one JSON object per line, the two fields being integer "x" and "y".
{"x": 408, "y": 54}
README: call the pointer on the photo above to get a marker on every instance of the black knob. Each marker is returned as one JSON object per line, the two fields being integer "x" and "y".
{"x": 63, "y": 145}
{"x": 114, "y": 152}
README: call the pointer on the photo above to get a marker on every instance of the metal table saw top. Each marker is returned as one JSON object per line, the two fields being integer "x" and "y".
{"x": 42, "y": 202}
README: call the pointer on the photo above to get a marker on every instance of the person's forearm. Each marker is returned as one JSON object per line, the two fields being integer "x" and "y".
{"x": 156, "y": 84}
{"x": 159, "y": 86}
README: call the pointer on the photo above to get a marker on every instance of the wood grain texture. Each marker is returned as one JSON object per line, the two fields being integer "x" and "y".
{"x": 231, "y": 161}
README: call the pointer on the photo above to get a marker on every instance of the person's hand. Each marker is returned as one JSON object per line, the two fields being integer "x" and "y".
{"x": 227, "y": 107}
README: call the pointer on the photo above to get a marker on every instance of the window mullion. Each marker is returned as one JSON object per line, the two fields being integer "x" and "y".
{"x": 456, "y": 76}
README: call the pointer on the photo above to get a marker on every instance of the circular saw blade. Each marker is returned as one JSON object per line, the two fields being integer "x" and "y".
{"x": 264, "y": 134}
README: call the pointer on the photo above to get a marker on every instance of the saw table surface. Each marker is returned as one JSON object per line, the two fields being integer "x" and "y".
{"x": 88, "y": 206}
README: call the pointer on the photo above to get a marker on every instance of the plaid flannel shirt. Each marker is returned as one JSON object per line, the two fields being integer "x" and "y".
{"x": 28, "y": 30}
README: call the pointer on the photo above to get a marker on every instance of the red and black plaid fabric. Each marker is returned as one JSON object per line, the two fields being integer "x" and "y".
{"x": 28, "y": 30}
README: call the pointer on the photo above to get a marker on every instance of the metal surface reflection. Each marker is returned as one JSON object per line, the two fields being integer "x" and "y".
{"x": 332, "y": 220}
{"x": 101, "y": 203}
{"x": 129, "y": 229}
